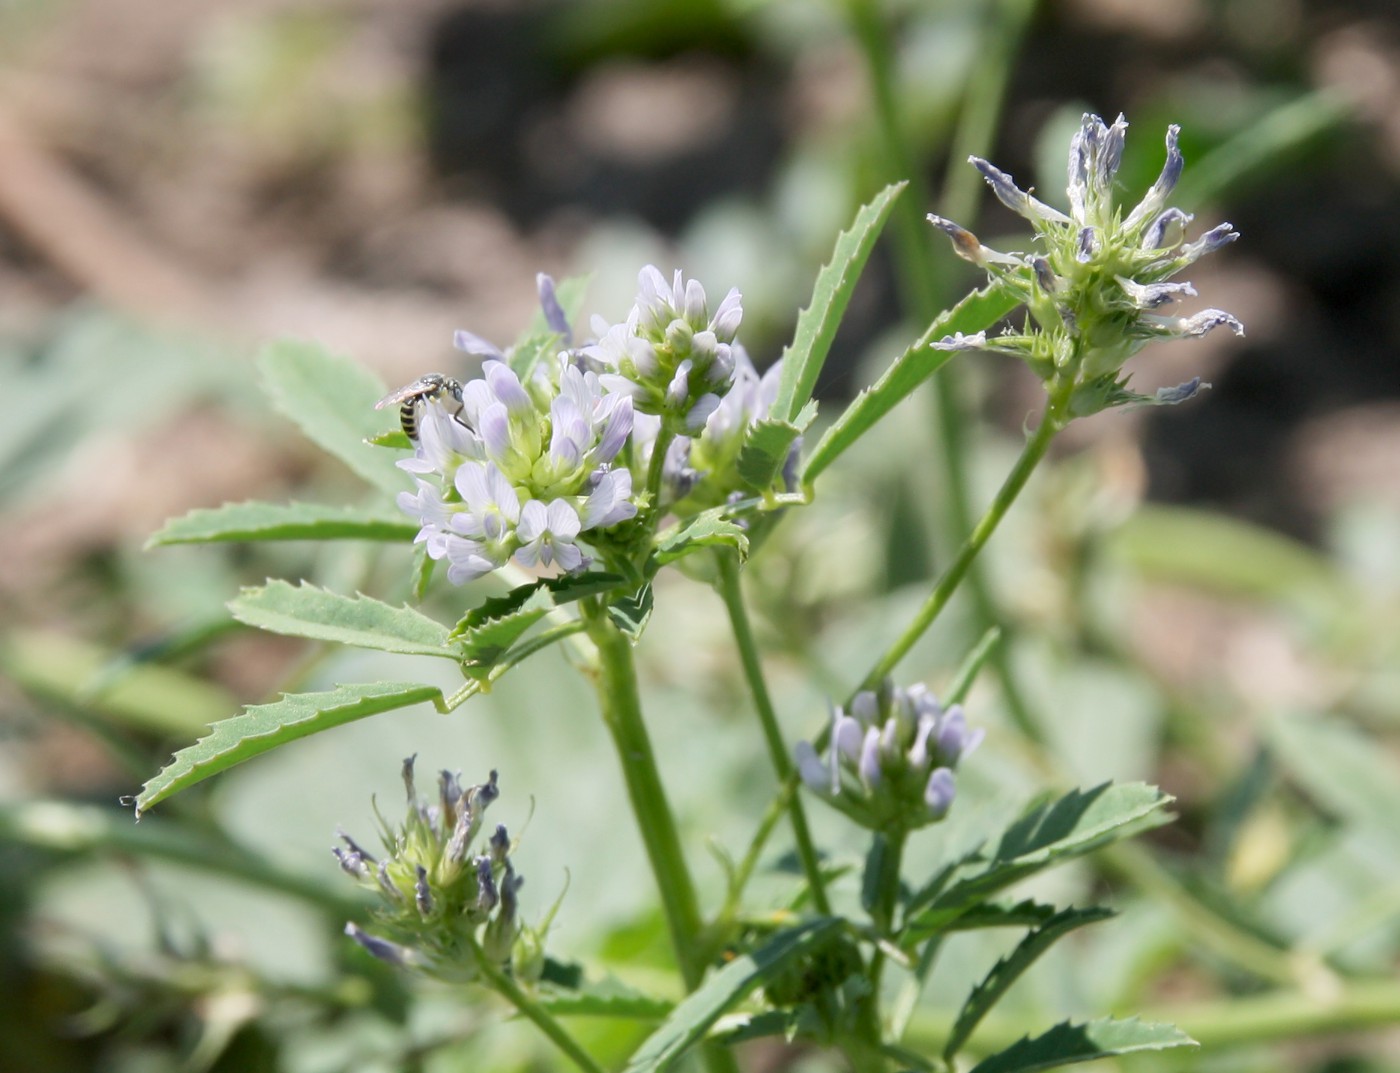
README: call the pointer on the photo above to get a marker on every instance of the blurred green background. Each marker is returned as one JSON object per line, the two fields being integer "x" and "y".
{"x": 1206, "y": 597}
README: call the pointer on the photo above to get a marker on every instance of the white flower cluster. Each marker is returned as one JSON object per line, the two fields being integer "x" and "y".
{"x": 527, "y": 470}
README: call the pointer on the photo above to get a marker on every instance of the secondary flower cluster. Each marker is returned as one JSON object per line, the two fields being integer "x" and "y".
{"x": 442, "y": 907}
{"x": 532, "y": 465}
{"x": 670, "y": 355}
{"x": 890, "y": 760}
{"x": 1094, "y": 291}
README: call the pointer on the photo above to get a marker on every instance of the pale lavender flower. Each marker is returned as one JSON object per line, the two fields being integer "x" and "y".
{"x": 890, "y": 760}
{"x": 1093, "y": 266}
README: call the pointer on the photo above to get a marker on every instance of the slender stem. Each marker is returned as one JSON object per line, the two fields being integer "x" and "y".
{"x": 957, "y": 570}
{"x": 733, "y": 596}
{"x": 616, "y": 685}
{"x": 656, "y": 469}
{"x": 502, "y": 982}
{"x": 887, "y": 856}
{"x": 771, "y": 815}
{"x": 922, "y": 284}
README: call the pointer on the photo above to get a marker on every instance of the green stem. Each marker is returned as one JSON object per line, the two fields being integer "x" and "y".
{"x": 882, "y": 898}
{"x": 922, "y": 286}
{"x": 733, "y": 596}
{"x": 1036, "y": 446}
{"x": 766, "y": 825}
{"x": 616, "y": 685}
{"x": 502, "y": 982}
{"x": 621, "y": 705}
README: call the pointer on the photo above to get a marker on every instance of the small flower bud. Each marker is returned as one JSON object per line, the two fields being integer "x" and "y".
{"x": 890, "y": 763}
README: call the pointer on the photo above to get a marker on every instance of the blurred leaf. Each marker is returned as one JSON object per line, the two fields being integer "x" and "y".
{"x": 976, "y": 312}
{"x": 1345, "y": 770}
{"x": 694, "y": 1016}
{"x": 266, "y": 726}
{"x": 145, "y": 696}
{"x": 91, "y": 829}
{"x": 816, "y": 325}
{"x": 1005, "y": 972}
{"x": 307, "y": 611}
{"x": 331, "y": 399}
{"x": 609, "y": 997}
{"x": 282, "y": 521}
{"x": 1067, "y": 1043}
{"x": 1260, "y": 146}
{"x": 1228, "y": 555}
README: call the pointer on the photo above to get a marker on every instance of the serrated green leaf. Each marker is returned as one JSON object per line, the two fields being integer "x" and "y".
{"x": 331, "y": 399}
{"x": 307, "y": 611}
{"x": 1047, "y": 834}
{"x": 1023, "y": 914}
{"x": 1340, "y": 768}
{"x": 630, "y": 614}
{"x": 487, "y": 641}
{"x": 282, "y": 521}
{"x": 1067, "y": 1043}
{"x": 765, "y": 450}
{"x": 1005, "y": 972}
{"x": 816, "y": 325}
{"x": 266, "y": 726}
{"x": 693, "y": 1017}
{"x": 562, "y": 590}
{"x": 976, "y": 312}
{"x": 707, "y": 530}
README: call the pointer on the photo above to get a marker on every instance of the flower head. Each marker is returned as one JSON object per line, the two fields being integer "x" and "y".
{"x": 890, "y": 761}
{"x": 1093, "y": 291}
{"x": 519, "y": 471}
{"x": 671, "y": 354}
{"x": 443, "y": 902}
{"x": 701, "y": 470}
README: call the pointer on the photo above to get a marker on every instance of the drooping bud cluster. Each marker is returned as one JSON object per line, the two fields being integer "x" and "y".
{"x": 1093, "y": 290}
{"x": 441, "y": 904}
{"x": 891, "y": 758}
{"x": 670, "y": 355}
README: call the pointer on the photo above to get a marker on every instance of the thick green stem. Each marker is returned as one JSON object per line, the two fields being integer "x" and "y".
{"x": 943, "y": 589}
{"x": 733, "y": 597}
{"x": 622, "y": 713}
{"x": 621, "y": 705}
{"x": 503, "y": 983}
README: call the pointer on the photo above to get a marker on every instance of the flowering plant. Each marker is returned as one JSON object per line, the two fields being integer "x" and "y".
{"x": 580, "y": 470}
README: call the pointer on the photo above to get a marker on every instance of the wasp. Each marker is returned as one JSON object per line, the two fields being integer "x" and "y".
{"x": 428, "y": 388}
